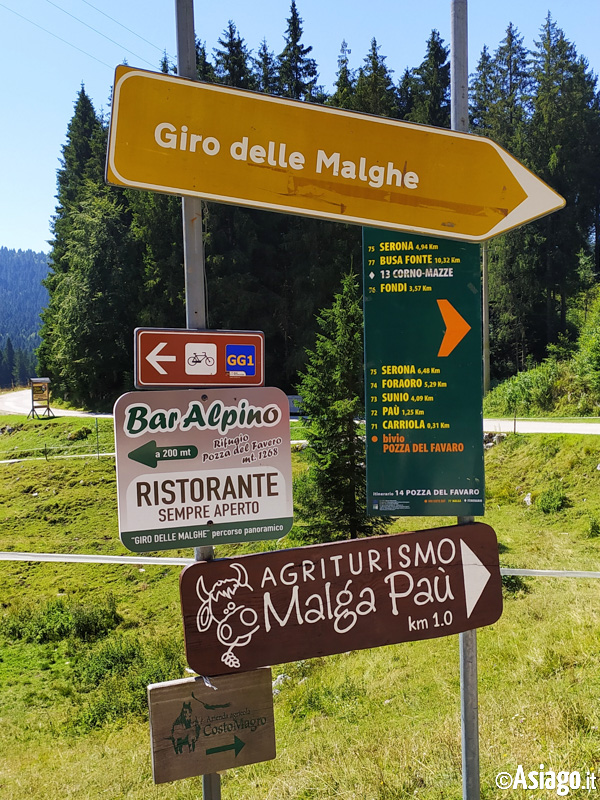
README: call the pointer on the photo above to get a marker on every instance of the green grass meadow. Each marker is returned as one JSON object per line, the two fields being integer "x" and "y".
{"x": 80, "y": 643}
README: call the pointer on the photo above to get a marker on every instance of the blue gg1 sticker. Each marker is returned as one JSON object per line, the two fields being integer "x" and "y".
{"x": 241, "y": 359}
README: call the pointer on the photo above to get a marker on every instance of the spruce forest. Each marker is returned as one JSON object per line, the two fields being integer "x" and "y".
{"x": 116, "y": 257}
{"x": 22, "y": 297}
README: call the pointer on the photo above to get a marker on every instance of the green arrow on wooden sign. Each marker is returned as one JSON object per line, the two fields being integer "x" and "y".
{"x": 237, "y": 746}
{"x": 150, "y": 454}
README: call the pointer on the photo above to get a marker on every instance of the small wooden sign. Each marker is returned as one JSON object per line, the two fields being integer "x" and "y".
{"x": 271, "y": 608}
{"x": 198, "y": 728}
{"x": 40, "y": 398}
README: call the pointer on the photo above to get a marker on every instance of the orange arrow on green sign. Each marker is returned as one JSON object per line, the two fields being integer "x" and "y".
{"x": 456, "y": 328}
{"x": 183, "y": 137}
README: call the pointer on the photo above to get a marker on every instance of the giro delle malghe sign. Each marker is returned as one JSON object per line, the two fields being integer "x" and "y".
{"x": 174, "y": 135}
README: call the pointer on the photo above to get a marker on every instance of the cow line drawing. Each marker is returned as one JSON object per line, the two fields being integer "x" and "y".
{"x": 236, "y": 623}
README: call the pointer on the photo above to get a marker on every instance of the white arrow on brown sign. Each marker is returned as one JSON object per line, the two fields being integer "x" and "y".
{"x": 155, "y": 357}
{"x": 271, "y": 608}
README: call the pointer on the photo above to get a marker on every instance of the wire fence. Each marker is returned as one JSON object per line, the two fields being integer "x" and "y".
{"x": 81, "y": 558}
{"x": 85, "y": 442}
{"x": 96, "y": 443}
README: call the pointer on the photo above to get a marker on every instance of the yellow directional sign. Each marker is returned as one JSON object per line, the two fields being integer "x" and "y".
{"x": 183, "y": 137}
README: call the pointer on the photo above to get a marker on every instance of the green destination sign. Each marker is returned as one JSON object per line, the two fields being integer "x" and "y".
{"x": 423, "y": 375}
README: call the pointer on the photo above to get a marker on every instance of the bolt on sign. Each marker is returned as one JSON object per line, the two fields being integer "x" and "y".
{"x": 423, "y": 376}
{"x": 306, "y": 602}
{"x": 202, "y": 467}
{"x": 187, "y": 358}
{"x": 199, "y": 727}
{"x": 170, "y": 134}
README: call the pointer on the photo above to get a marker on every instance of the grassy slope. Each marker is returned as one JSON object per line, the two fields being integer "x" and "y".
{"x": 378, "y": 724}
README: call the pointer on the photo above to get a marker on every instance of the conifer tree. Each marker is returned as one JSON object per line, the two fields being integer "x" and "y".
{"x": 9, "y": 362}
{"x": 482, "y": 96}
{"x": 95, "y": 304}
{"x": 562, "y": 148}
{"x": 83, "y": 158}
{"x": 166, "y": 65}
{"x": 82, "y": 166}
{"x": 430, "y": 96}
{"x": 500, "y": 95}
{"x": 297, "y": 72}
{"x": 405, "y": 94}
{"x": 22, "y": 369}
{"x": 375, "y": 90}
{"x": 232, "y": 61}
{"x": 265, "y": 70}
{"x": 330, "y": 497}
{"x": 204, "y": 69}
{"x": 157, "y": 240}
{"x": 345, "y": 85}
{"x": 516, "y": 296}
{"x": 545, "y": 111}
{"x": 4, "y": 373}
{"x": 512, "y": 92}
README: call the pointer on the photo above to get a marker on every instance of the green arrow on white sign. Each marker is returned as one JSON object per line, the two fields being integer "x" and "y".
{"x": 150, "y": 453}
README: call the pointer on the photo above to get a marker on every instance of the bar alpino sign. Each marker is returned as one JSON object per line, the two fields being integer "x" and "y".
{"x": 197, "y": 467}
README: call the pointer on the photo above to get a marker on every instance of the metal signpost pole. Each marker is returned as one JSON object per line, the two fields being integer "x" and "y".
{"x": 193, "y": 258}
{"x": 485, "y": 313}
{"x": 468, "y": 640}
{"x": 193, "y": 245}
{"x": 459, "y": 71}
{"x": 469, "y": 713}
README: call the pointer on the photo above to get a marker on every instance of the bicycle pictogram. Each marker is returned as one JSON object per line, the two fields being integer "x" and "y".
{"x": 199, "y": 358}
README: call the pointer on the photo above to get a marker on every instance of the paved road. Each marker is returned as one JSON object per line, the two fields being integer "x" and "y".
{"x": 19, "y": 402}
{"x": 540, "y": 426}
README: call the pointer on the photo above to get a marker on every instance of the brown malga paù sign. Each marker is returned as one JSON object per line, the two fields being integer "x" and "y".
{"x": 271, "y": 608}
{"x": 199, "y": 727}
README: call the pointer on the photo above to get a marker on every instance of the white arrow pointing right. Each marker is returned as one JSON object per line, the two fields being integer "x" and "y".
{"x": 154, "y": 358}
{"x": 475, "y": 576}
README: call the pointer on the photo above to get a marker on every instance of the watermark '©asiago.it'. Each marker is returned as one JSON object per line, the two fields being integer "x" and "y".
{"x": 561, "y": 782}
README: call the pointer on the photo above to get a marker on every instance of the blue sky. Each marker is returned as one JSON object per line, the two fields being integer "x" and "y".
{"x": 51, "y": 47}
